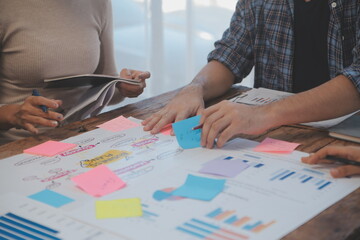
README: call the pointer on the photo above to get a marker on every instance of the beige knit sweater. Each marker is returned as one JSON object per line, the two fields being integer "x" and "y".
{"x": 42, "y": 39}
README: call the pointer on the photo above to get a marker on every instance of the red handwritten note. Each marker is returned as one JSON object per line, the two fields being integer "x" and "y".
{"x": 275, "y": 146}
{"x": 118, "y": 124}
{"x": 99, "y": 181}
{"x": 50, "y": 148}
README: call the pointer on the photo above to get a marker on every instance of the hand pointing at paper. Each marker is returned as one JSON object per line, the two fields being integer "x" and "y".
{"x": 129, "y": 90}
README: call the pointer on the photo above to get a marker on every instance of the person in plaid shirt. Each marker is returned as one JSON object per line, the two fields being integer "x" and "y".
{"x": 309, "y": 47}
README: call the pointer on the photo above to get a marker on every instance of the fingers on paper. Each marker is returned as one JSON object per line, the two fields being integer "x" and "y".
{"x": 343, "y": 171}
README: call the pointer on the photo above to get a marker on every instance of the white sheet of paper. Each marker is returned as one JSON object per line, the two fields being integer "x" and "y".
{"x": 270, "y": 192}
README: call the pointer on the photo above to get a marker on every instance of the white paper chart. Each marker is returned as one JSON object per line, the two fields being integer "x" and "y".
{"x": 273, "y": 196}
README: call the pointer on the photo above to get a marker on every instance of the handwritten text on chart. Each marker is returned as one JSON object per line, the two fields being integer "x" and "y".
{"x": 107, "y": 157}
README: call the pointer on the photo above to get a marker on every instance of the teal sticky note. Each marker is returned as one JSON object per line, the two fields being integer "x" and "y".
{"x": 200, "y": 188}
{"x": 51, "y": 198}
{"x": 185, "y": 135}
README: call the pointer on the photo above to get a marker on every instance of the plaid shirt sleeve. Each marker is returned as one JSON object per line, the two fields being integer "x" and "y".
{"x": 352, "y": 72}
{"x": 234, "y": 49}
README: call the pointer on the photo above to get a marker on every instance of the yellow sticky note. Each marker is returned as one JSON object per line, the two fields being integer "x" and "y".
{"x": 130, "y": 207}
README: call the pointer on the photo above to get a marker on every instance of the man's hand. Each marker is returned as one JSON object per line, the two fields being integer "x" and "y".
{"x": 129, "y": 90}
{"x": 348, "y": 152}
{"x": 188, "y": 102}
{"x": 226, "y": 119}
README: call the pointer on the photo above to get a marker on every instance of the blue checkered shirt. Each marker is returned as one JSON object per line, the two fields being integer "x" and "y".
{"x": 261, "y": 34}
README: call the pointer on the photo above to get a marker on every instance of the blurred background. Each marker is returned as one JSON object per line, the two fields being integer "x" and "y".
{"x": 170, "y": 38}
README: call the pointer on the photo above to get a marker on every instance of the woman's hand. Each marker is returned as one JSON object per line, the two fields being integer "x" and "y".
{"x": 29, "y": 115}
{"x": 348, "y": 152}
{"x": 129, "y": 90}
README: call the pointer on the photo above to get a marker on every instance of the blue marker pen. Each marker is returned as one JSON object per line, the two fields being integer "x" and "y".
{"x": 35, "y": 92}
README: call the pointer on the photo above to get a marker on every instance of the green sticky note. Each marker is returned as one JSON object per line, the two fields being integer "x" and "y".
{"x": 130, "y": 207}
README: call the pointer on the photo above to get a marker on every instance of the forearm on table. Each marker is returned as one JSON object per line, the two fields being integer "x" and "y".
{"x": 214, "y": 79}
{"x": 6, "y": 114}
{"x": 333, "y": 99}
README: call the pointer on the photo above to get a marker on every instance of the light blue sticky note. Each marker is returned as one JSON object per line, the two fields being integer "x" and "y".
{"x": 200, "y": 188}
{"x": 51, "y": 198}
{"x": 185, "y": 135}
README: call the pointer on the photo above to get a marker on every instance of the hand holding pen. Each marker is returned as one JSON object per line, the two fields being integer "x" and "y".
{"x": 35, "y": 111}
{"x": 348, "y": 156}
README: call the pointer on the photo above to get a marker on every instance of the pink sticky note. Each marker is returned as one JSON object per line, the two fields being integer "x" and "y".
{"x": 118, "y": 124}
{"x": 50, "y": 148}
{"x": 99, "y": 181}
{"x": 276, "y": 146}
{"x": 166, "y": 130}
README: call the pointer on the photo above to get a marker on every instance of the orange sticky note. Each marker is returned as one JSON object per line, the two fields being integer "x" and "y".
{"x": 50, "y": 148}
{"x": 276, "y": 146}
{"x": 99, "y": 181}
{"x": 118, "y": 124}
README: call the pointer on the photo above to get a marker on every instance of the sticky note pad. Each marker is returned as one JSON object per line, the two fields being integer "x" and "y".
{"x": 99, "y": 181}
{"x": 118, "y": 124}
{"x": 275, "y": 146}
{"x": 226, "y": 168}
{"x": 200, "y": 188}
{"x": 185, "y": 135}
{"x": 119, "y": 208}
{"x": 50, "y": 148}
{"x": 51, "y": 198}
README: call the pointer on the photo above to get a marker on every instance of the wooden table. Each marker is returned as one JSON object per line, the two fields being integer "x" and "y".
{"x": 340, "y": 221}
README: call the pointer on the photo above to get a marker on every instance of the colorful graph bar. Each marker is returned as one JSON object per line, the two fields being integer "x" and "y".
{"x": 234, "y": 220}
{"x": 241, "y": 221}
{"x": 147, "y": 214}
{"x": 204, "y": 230}
{"x": 287, "y": 175}
{"x": 324, "y": 185}
{"x": 279, "y": 175}
{"x": 17, "y": 227}
{"x": 261, "y": 227}
{"x": 284, "y": 174}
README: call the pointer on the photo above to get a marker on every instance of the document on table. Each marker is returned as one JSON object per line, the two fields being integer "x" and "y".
{"x": 272, "y": 196}
{"x": 262, "y": 96}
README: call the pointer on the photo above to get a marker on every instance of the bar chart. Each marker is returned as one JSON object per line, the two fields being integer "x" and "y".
{"x": 147, "y": 214}
{"x": 205, "y": 230}
{"x": 245, "y": 222}
{"x": 13, "y": 226}
{"x": 303, "y": 176}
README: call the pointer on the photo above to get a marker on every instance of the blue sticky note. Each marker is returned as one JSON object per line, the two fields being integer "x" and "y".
{"x": 185, "y": 135}
{"x": 51, "y": 198}
{"x": 200, "y": 188}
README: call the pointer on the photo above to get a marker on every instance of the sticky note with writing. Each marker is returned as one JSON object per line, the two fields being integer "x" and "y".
{"x": 185, "y": 135}
{"x": 50, "y": 148}
{"x": 99, "y": 181}
{"x": 130, "y": 207}
{"x": 118, "y": 124}
{"x": 275, "y": 146}
{"x": 200, "y": 188}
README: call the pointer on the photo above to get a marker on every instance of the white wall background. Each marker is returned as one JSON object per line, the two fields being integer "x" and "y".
{"x": 170, "y": 38}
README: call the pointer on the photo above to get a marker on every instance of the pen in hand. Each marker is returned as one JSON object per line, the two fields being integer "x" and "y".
{"x": 35, "y": 92}
{"x": 342, "y": 160}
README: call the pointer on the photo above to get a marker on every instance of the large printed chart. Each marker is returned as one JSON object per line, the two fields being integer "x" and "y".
{"x": 275, "y": 194}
